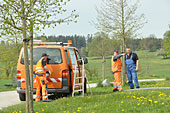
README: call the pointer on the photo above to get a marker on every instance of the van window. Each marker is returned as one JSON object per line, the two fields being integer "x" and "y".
{"x": 53, "y": 58}
{"x": 67, "y": 57}
{"x": 72, "y": 56}
{"x": 78, "y": 55}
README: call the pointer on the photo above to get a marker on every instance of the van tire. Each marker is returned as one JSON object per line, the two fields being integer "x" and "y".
{"x": 22, "y": 96}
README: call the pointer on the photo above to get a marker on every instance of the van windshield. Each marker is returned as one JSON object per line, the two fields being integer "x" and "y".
{"x": 53, "y": 58}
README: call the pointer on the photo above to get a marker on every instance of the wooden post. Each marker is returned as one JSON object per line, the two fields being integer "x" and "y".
{"x": 103, "y": 68}
{"x": 31, "y": 67}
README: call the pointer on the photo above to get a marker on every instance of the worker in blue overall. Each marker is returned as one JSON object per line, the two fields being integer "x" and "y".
{"x": 132, "y": 67}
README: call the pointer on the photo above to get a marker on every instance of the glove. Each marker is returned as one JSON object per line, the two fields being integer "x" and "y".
{"x": 50, "y": 72}
{"x": 47, "y": 74}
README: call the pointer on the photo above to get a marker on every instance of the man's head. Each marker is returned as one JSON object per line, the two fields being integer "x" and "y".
{"x": 128, "y": 50}
{"x": 116, "y": 52}
{"x": 45, "y": 56}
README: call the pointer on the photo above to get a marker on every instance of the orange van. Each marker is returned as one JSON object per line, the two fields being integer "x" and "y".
{"x": 61, "y": 62}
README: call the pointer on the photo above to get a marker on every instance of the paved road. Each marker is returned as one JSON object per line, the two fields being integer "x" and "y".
{"x": 9, "y": 98}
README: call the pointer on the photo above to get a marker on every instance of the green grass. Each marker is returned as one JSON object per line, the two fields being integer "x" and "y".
{"x": 6, "y": 88}
{"x": 104, "y": 100}
{"x": 158, "y": 67}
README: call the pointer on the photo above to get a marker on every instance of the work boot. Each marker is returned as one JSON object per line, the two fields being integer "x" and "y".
{"x": 114, "y": 90}
{"x": 138, "y": 87}
{"x": 48, "y": 100}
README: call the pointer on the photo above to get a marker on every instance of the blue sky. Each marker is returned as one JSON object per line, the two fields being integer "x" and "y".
{"x": 156, "y": 12}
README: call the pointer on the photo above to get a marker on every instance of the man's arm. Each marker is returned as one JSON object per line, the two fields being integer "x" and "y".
{"x": 45, "y": 66}
{"x": 137, "y": 65}
{"x": 118, "y": 56}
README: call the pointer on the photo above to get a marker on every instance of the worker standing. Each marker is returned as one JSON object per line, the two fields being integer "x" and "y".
{"x": 116, "y": 70}
{"x": 132, "y": 67}
{"x": 41, "y": 70}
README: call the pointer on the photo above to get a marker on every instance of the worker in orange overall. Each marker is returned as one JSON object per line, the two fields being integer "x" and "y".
{"x": 41, "y": 73}
{"x": 116, "y": 70}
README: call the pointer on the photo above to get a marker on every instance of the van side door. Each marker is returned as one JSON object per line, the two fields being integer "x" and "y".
{"x": 74, "y": 65}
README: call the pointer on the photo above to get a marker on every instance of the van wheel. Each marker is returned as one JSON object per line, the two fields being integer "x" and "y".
{"x": 22, "y": 96}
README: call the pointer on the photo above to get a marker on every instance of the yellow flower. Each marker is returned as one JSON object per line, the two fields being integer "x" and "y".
{"x": 163, "y": 103}
{"x": 74, "y": 112}
{"x": 123, "y": 110}
{"x": 150, "y": 100}
{"x": 79, "y": 107}
{"x": 155, "y": 101}
{"x": 92, "y": 112}
{"x": 36, "y": 112}
{"x": 138, "y": 104}
{"x": 143, "y": 103}
{"x": 78, "y": 110}
{"x": 42, "y": 109}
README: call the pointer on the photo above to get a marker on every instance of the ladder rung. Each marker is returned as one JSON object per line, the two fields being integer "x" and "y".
{"x": 79, "y": 84}
{"x": 78, "y": 90}
{"x": 78, "y": 77}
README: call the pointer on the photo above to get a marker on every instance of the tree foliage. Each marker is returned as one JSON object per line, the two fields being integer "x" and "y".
{"x": 166, "y": 42}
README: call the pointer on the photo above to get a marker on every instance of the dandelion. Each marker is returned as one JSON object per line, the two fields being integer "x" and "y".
{"x": 138, "y": 104}
{"x": 155, "y": 102}
{"x": 92, "y": 112}
{"x": 36, "y": 112}
{"x": 150, "y": 100}
{"x": 78, "y": 110}
{"x": 79, "y": 107}
{"x": 42, "y": 109}
{"x": 163, "y": 103}
{"x": 121, "y": 102}
{"x": 143, "y": 103}
{"x": 123, "y": 110}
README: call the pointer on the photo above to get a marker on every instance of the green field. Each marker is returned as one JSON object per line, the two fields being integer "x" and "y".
{"x": 6, "y": 88}
{"x": 104, "y": 100}
{"x": 158, "y": 67}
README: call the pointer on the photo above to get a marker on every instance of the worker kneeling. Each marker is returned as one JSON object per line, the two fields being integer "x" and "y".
{"x": 116, "y": 70}
{"x": 41, "y": 69}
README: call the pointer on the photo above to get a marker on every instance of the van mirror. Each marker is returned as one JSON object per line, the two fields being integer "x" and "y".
{"x": 80, "y": 62}
{"x": 85, "y": 60}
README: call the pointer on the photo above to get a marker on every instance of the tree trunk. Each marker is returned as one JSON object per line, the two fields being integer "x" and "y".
{"x": 123, "y": 44}
{"x": 31, "y": 67}
{"x": 27, "y": 79}
{"x": 103, "y": 68}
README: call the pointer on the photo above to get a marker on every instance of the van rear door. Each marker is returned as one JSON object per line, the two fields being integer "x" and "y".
{"x": 54, "y": 63}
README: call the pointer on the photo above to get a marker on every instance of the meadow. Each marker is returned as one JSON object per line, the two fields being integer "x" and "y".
{"x": 151, "y": 66}
{"x": 104, "y": 100}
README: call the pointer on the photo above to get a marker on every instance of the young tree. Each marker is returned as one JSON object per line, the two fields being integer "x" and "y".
{"x": 119, "y": 19}
{"x": 101, "y": 46}
{"x": 25, "y": 16}
{"x": 166, "y": 43}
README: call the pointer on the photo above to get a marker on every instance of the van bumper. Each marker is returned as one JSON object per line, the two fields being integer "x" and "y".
{"x": 65, "y": 89}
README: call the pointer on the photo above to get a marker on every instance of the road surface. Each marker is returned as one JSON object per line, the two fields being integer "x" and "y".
{"x": 9, "y": 98}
